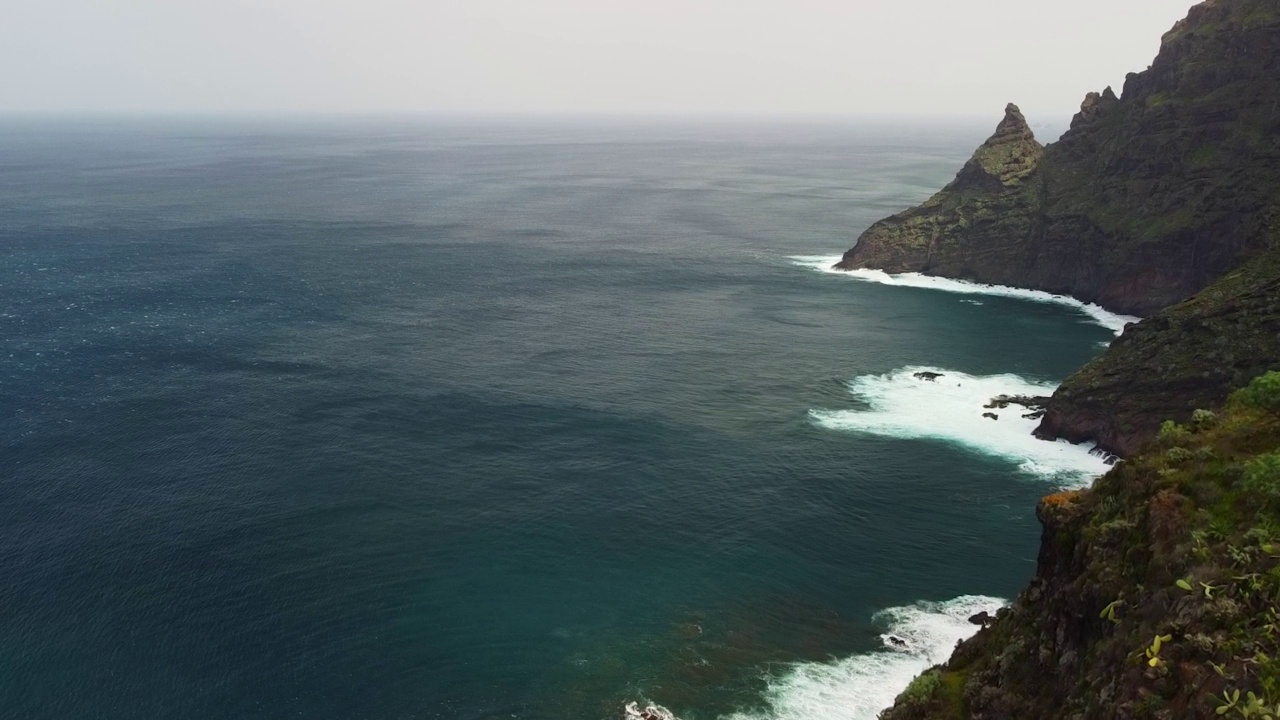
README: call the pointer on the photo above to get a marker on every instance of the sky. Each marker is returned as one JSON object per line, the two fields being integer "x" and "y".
{"x": 616, "y": 57}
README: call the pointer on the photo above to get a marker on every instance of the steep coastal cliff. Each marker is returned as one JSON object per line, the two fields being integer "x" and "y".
{"x": 1157, "y": 591}
{"x": 1148, "y": 197}
{"x": 974, "y": 224}
{"x": 1188, "y": 356}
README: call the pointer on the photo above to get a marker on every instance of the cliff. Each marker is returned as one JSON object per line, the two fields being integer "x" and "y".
{"x": 981, "y": 218}
{"x": 1157, "y": 591}
{"x": 1188, "y": 356}
{"x": 1156, "y": 594}
{"x": 1145, "y": 200}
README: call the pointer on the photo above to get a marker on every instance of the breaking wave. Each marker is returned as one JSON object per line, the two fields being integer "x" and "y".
{"x": 859, "y": 687}
{"x": 825, "y": 263}
{"x": 903, "y": 404}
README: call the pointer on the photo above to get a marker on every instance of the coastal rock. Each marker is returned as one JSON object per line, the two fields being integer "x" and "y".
{"x": 1148, "y": 551}
{"x": 1146, "y": 200}
{"x": 1189, "y": 356}
{"x": 982, "y": 619}
{"x": 1034, "y": 403}
{"x": 930, "y": 376}
{"x": 991, "y": 415}
{"x": 989, "y": 198}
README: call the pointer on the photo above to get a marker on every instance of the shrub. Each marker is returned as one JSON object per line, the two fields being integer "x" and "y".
{"x": 1171, "y": 432}
{"x": 923, "y": 687}
{"x": 1262, "y": 475}
{"x": 1202, "y": 418}
{"x": 1263, "y": 393}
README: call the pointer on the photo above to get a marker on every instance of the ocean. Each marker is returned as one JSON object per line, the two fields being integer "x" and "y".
{"x": 498, "y": 419}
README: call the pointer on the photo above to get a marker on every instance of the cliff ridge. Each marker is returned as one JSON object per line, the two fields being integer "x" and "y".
{"x": 1144, "y": 201}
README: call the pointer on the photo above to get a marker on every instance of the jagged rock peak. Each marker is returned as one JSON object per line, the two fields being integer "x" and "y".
{"x": 1093, "y": 106}
{"x": 1013, "y": 127}
{"x": 1007, "y": 157}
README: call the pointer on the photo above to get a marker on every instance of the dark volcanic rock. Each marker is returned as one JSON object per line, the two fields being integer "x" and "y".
{"x": 1150, "y": 550}
{"x": 983, "y": 619}
{"x": 1031, "y": 402}
{"x": 989, "y": 199}
{"x": 1189, "y": 356}
{"x": 1093, "y": 107}
{"x": 1143, "y": 202}
{"x": 930, "y": 376}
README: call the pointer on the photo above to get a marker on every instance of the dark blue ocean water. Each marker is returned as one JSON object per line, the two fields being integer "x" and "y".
{"x": 474, "y": 420}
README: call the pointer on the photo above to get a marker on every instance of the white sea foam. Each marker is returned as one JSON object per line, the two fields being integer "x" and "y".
{"x": 633, "y": 711}
{"x": 859, "y": 687}
{"x": 826, "y": 263}
{"x": 950, "y": 408}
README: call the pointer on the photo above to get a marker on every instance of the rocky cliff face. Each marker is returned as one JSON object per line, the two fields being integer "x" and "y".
{"x": 1146, "y": 199}
{"x": 1178, "y": 543}
{"x": 981, "y": 217}
{"x": 1188, "y": 356}
{"x": 1157, "y": 591}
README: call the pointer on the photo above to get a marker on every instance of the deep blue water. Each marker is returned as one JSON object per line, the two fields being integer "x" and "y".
{"x": 430, "y": 420}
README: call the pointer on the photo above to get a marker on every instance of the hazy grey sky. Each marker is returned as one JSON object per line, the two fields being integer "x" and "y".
{"x": 925, "y": 57}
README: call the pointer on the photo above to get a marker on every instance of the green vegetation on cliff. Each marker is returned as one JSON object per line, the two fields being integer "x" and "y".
{"x": 1157, "y": 592}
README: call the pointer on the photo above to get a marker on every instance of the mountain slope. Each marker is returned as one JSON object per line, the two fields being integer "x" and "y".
{"x": 1146, "y": 199}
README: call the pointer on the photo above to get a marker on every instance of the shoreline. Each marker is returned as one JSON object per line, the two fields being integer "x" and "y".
{"x": 1116, "y": 322}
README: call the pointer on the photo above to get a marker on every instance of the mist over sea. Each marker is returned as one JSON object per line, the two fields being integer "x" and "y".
{"x": 519, "y": 419}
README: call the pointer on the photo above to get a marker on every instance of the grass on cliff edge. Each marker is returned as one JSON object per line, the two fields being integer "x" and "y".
{"x": 1202, "y": 509}
{"x": 1178, "y": 553}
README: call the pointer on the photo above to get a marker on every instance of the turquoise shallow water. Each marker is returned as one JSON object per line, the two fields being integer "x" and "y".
{"x": 415, "y": 420}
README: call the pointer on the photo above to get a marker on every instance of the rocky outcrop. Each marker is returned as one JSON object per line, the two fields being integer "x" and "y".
{"x": 1146, "y": 200}
{"x": 1093, "y": 107}
{"x": 1188, "y": 356}
{"x": 989, "y": 199}
{"x": 1154, "y": 593}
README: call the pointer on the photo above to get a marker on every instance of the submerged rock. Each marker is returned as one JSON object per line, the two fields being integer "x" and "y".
{"x": 930, "y": 376}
